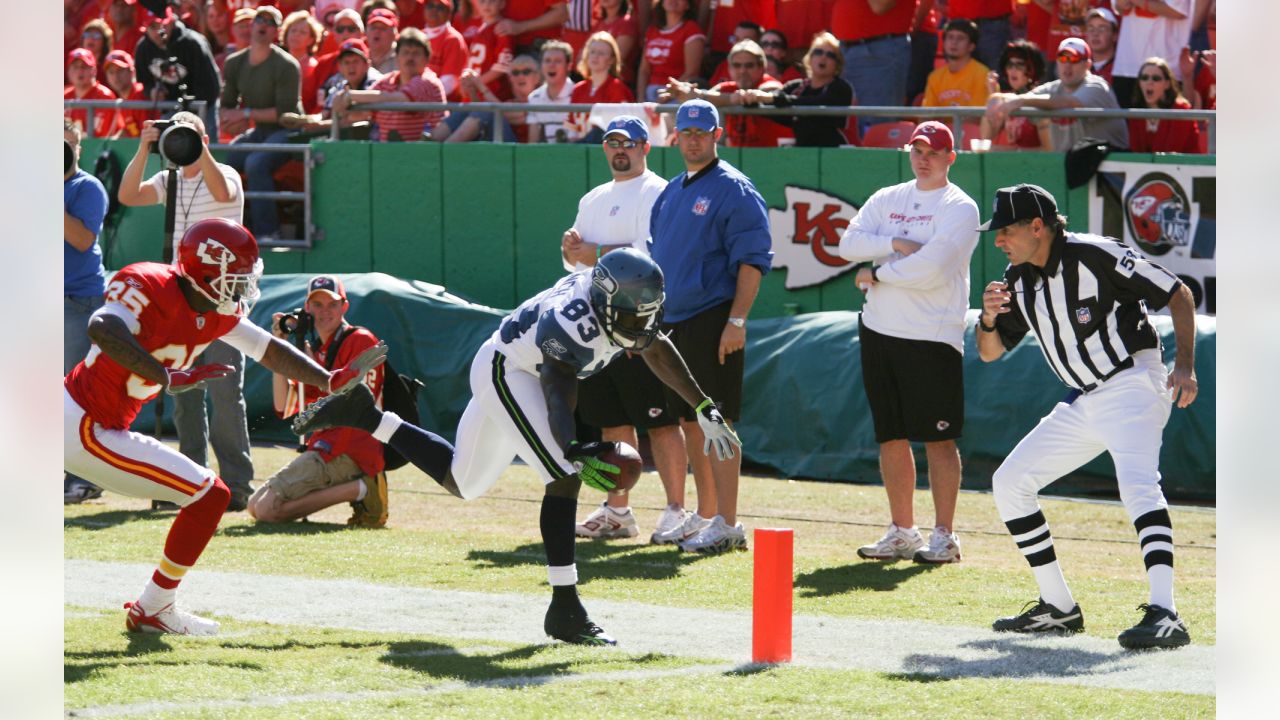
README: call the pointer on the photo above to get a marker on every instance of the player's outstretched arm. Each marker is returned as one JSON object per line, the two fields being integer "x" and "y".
{"x": 665, "y": 362}
{"x": 112, "y": 337}
{"x": 283, "y": 358}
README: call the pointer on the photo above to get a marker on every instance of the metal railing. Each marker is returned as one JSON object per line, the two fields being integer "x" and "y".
{"x": 956, "y": 115}
{"x": 310, "y": 233}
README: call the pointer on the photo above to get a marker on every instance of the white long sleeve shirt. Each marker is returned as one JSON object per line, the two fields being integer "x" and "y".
{"x": 922, "y": 296}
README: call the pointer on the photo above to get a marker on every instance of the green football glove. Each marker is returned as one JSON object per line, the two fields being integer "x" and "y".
{"x": 591, "y": 469}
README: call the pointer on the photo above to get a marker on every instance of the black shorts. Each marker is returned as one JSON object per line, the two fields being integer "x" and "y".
{"x": 698, "y": 341}
{"x": 915, "y": 387}
{"x": 625, "y": 392}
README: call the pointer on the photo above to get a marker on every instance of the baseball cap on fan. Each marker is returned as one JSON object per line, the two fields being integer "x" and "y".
{"x": 628, "y": 125}
{"x": 355, "y": 46}
{"x": 119, "y": 57}
{"x": 1020, "y": 202}
{"x": 1103, "y": 13}
{"x": 697, "y": 114}
{"x": 329, "y": 284}
{"x": 84, "y": 56}
{"x": 383, "y": 16}
{"x": 1074, "y": 50}
{"x": 937, "y": 135}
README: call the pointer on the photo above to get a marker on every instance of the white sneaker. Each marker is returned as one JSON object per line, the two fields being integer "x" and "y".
{"x": 605, "y": 522}
{"x": 688, "y": 527}
{"x": 671, "y": 518}
{"x": 944, "y": 547}
{"x": 897, "y": 544}
{"x": 168, "y": 619}
{"x": 717, "y": 537}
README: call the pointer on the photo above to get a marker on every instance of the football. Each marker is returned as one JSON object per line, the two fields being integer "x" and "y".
{"x": 629, "y": 466}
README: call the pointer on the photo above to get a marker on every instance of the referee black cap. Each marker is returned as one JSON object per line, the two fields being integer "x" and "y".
{"x": 1020, "y": 202}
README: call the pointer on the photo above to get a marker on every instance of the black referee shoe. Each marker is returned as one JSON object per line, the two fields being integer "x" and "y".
{"x": 1159, "y": 628}
{"x": 350, "y": 409}
{"x": 1039, "y": 616}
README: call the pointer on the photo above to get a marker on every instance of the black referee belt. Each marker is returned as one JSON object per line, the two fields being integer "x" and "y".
{"x": 873, "y": 38}
{"x": 1128, "y": 363}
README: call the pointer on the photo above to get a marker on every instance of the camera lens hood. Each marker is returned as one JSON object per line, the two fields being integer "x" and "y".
{"x": 181, "y": 144}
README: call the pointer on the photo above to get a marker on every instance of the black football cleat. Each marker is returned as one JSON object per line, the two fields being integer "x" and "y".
{"x": 574, "y": 627}
{"x": 355, "y": 409}
{"x": 1039, "y": 616}
{"x": 1159, "y": 628}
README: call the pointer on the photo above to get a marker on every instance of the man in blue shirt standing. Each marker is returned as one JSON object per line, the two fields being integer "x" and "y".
{"x": 709, "y": 232}
{"x": 84, "y": 206}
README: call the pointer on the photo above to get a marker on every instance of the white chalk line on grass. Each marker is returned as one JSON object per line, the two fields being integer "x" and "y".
{"x": 516, "y": 681}
{"x": 891, "y": 646}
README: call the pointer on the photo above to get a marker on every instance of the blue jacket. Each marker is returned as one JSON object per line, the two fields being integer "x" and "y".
{"x": 701, "y": 230}
{"x": 84, "y": 198}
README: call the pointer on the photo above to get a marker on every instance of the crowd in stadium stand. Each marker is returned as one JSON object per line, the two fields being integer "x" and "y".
{"x": 337, "y": 54}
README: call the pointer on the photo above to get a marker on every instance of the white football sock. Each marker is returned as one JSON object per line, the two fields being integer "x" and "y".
{"x": 1053, "y": 586}
{"x": 1160, "y": 578}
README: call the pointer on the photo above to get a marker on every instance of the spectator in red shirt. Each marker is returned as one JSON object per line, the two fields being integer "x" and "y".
{"x": 729, "y": 15}
{"x": 344, "y": 25}
{"x": 673, "y": 49}
{"x": 412, "y": 82}
{"x": 217, "y": 25}
{"x": 1100, "y": 30}
{"x": 601, "y": 67}
{"x": 96, "y": 38}
{"x": 615, "y": 18}
{"x": 992, "y": 18}
{"x": 301, "y": 37}
{"x": 411, "y": 13}
{"x": 529, "y": 23}
{"x": 1021, "y": 67}
{"x": 449, "y": 52}
{"x": 800, "y": 20}
{"x": 83, "y": 71}
{"x": 123, "y": 82}
{"x": 746, "y": 30}
{"x": 126, "y": 24}
{"x": 490, "y": 52}
{"x": 777, "y": 64}
{"x": 1159, "y": 89}
{"x": 381, "y": 27}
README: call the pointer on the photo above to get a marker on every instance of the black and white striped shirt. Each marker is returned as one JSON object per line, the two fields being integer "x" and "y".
{"x": 1087, "y": 307}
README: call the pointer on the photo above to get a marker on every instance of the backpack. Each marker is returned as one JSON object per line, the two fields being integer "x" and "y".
{"x": 399, "y": 395}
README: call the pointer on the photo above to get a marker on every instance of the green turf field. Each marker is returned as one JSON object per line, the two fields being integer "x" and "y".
{"x": 435, "y": 542}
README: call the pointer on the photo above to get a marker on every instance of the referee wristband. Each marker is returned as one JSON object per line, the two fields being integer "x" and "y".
{"x": 984, "y": 326}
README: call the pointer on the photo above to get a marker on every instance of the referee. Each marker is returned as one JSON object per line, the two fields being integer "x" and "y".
{"x": 1085, "y": 297}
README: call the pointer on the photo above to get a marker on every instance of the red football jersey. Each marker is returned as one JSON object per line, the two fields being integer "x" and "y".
{"x": 169, "y": 329}
{"x": 105, "y": 121}
{"x": 486, "y": 47}
{"x": 753, "y": 130}
{"x": 449, "y": 55}
{"x": 664, "y": 49}
{"x": 612, "y": 91}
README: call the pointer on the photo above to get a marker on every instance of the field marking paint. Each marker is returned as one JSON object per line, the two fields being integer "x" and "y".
{"x": 518, "y": 681}
{"x": 892, "y": 646}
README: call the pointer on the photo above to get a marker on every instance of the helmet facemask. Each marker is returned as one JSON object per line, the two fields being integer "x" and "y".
{"x": 231, "y": 293}
{"x": 630, "y": 311}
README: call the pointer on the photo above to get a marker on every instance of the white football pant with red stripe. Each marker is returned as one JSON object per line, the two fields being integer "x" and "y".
{"x": 127, "y": 462}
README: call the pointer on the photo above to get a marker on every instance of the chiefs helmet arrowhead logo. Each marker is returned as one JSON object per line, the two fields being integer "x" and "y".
{"x": 212, "y": 252}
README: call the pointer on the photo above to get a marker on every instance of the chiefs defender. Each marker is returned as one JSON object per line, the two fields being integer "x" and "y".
{"x": 157, "y": 319}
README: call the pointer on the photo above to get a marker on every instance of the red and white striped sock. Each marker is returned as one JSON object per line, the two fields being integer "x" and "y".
{"x": 188, "y": 536}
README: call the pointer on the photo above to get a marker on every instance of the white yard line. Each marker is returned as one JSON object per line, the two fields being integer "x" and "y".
{"x": 839, "y": 642}
{"x": 257, "y": 701}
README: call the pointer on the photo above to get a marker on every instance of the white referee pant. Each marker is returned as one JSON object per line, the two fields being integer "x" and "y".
{"x": 507, "y": 417}
{"x": 127, "y": 462}
{"x": 1125, "y": 417}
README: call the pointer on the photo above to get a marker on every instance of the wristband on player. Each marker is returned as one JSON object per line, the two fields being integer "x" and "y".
{"x": 705, "y": 402}
{"x": 984, "y": 326}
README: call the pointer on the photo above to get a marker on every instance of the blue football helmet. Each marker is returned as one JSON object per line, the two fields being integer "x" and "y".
{"x": 627, "y": 296}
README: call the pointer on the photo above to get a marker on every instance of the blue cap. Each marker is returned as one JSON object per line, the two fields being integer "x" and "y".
{"x": 697, "y": 114}
{"x": 630, "y": 125}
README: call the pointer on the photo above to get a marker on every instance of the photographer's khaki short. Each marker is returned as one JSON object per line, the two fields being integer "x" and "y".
{"x": 308, "y": 473}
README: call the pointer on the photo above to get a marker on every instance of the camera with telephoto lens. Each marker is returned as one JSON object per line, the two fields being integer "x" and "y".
{"x": 297, "y": 324}
{"x": 179, "y": 143}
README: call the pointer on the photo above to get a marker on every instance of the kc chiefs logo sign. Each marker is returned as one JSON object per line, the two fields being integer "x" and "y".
{"x": 806, "y": 235}
{"x": 212, "y": 252}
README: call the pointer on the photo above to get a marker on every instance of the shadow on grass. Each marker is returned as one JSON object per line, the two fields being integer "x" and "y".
{"x": 600, "y": 560}
{"x": 1015, "y": 657}
{"x": 286, "y": 528}
{"x": 492, "y": 669}
{"x": 111, "y": 518}
{"x": 146, "y": 651}
{"x": 752, "y": 669}
{"x": 878, "y": 576}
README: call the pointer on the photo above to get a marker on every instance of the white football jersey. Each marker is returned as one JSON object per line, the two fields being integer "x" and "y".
{"x": 557, "y": 323}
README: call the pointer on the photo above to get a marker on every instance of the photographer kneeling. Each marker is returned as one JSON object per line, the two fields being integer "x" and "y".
{"x": 339, "y": 464}
{"x": 205, "y": 189}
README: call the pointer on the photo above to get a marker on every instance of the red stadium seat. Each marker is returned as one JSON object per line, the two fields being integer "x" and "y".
{"x": 888, "y": 135}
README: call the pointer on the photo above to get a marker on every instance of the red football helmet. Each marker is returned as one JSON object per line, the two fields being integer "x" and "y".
{"x": 1158, "y": 217}
{"x": 220, "y": 258}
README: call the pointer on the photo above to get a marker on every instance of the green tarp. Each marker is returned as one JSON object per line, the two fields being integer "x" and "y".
{"x": 804, "y": 408}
